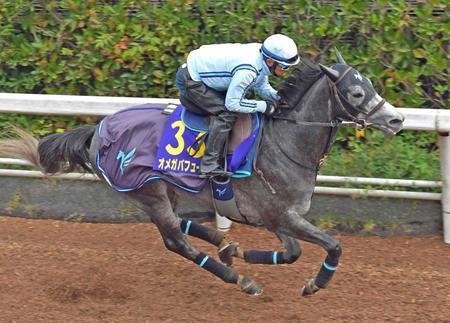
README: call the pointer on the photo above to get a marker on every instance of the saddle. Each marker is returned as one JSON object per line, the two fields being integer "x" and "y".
{"x": 185, "y": 128}
{"x": 242, "y": 128}
{"x": 145, "y": 143}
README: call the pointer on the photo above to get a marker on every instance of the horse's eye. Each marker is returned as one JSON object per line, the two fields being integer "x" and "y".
{"x": 358, "y": 95}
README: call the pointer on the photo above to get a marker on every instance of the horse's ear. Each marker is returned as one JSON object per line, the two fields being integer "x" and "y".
{"x": 332, "y": 74}
{"x": 339, "y": 57}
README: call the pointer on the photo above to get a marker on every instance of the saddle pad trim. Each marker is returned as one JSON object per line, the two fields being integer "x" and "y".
{"x": 120, "y": 189}
{"x": 241, "y": 174}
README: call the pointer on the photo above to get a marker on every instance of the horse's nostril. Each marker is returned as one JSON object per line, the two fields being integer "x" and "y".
{"x": 396, "y": 122}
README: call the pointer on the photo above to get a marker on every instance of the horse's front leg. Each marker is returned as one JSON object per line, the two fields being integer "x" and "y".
{"x": 297, "y": 227}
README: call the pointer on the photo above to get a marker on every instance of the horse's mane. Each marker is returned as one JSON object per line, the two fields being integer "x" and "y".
{"x": 298, "y": 83}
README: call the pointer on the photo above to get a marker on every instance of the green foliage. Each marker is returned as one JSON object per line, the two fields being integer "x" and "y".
{"x": 365, "y": 225}
{"x": 409, "y": 155}
{"x": 134, "y": 47}
{"x": 41, "y": 125}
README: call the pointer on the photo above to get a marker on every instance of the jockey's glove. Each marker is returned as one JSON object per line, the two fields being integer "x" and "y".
{"x": 270, "y": 109}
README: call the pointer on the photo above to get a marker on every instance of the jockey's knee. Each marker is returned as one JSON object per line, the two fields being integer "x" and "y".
{"x": 228, "y": 117}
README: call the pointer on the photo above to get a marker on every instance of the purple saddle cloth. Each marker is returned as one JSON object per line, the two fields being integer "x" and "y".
{"x": 141, "y": 144}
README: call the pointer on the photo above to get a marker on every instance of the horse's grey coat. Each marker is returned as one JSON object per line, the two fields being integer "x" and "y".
{"x": 288, "y": 159}
{"x": 282, "y": 212}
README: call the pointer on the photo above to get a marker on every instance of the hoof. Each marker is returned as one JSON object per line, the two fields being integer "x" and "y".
{"x": 227, "y": 253}
{"x": 310, "y": 288}
{"x": 249, "y": 286}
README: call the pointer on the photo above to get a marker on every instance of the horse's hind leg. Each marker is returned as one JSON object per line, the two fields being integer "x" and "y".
{"x": 154, "y": 199}
{"x": 292, "y": 253}
{"x": 225, "y": 249}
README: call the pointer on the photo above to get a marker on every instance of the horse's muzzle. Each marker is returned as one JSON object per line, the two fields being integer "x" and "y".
{"x": 388, "y": 119}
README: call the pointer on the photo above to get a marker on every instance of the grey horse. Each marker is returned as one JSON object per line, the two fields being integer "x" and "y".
{"x": 277, "y": 196}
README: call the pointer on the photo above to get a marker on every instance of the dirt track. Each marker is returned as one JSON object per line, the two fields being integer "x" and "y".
{"x": 54, "y": 271}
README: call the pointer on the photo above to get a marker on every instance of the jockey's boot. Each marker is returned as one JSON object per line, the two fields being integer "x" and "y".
{"x": 219, "y": 130}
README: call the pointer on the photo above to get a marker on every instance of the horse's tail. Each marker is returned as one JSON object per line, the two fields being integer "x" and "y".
{"x": 54, "y": 153}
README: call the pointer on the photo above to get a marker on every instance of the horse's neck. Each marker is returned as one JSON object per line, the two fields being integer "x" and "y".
{"x": 291, "y": 142}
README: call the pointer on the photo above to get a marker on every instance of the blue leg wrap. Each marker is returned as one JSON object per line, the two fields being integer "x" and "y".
{"x": 223, "y": 272}
{"x": 324, "y": 276}
{"x": 264, "y": 257}
{"x": 199, "y": 231}
{"x": 326, "y": 272}
{"x": 187, "y": 227}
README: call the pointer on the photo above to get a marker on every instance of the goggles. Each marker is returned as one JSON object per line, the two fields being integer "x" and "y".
{"x": 284, "y": 67}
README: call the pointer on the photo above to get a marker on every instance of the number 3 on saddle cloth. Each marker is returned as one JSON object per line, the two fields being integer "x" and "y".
{"x": 144, "y": 143}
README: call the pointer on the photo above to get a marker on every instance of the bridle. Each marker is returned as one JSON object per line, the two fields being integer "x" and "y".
{"x": 345, "y": 113}
{"x": 343, "y": 107}
{"x": 345, "y": 116}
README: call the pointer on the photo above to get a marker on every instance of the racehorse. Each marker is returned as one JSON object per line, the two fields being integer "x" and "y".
{"x": 277, "y": 196}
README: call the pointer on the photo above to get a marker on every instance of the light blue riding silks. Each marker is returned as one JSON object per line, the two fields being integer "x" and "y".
{"x": 235, "y": 68}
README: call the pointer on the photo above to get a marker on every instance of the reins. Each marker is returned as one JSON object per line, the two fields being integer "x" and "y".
{"x": 334, "y": 127}
{"x": 331, "y": 124}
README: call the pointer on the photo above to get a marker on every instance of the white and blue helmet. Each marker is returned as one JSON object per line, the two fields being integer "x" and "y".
{"x": 281, "y": 49}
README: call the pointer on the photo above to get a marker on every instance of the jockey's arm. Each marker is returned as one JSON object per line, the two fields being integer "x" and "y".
{"x": 265, "y": 90}
{"x": 242, "y": 81}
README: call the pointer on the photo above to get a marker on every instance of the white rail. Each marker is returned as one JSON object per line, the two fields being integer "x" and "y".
{"x": 415, "y": 119}
{"x": 376, "y": 181}
{"x": 43, "y": 104}
{"x": 318, "y": 189}
{"x": 320, "y": 178}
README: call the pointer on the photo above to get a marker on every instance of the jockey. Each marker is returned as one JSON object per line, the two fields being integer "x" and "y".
{"x": 217, "y": 79}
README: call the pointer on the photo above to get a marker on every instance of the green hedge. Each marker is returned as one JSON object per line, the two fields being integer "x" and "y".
{"x": 133, "y": 48}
